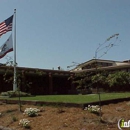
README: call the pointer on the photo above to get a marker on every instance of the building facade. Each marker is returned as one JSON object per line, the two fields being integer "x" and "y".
{"x": 36, "y": 81}
{"x": 47, "y": 82}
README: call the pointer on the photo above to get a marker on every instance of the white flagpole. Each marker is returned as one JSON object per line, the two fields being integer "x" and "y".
{"x": 15, "y": 63}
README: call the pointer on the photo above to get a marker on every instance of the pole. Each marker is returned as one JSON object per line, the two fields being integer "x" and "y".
{"x": 15, "y": 64}
{"x": 98, "y": 92}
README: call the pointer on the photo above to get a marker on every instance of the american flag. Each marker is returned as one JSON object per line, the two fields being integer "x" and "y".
{"x": 6, "y": 26}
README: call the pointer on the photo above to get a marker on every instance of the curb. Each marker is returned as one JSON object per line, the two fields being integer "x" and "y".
{"x": 82, "y": 105}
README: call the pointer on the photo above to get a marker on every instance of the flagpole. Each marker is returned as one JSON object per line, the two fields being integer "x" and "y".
{"x": 15, "y": 63}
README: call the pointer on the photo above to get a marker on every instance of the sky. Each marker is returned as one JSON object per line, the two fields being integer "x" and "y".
{"x": 52, "y": 33}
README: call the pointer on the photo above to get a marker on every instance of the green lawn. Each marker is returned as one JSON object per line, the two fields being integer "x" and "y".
{"x": 76, "y": 98}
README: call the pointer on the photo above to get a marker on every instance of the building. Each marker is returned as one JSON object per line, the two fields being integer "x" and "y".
{"x": 102, "y": 64}
{"x": 42, "y": 81}
{"x": 99, "y": 65}
{"x": 45, "y": 81}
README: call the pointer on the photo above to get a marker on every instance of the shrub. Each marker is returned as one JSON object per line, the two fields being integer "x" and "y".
{"x": 93, "y": 109}
{"x": 14, "y": 118}
{"x": 31, "y": 112}
{"x": 4, "y": 94}
{"x": 25, "y": 123}
{"x": 15, "y": 94}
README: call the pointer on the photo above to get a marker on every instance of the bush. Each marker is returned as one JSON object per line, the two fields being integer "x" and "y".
{"x": 15, "y": 94}
{"x": 93, "y": 109}
{"x": 25, "y": 123}
{"x": 4, "y": 94}
{"x": 31, "y": 112}
{"x": 84, "y": 91}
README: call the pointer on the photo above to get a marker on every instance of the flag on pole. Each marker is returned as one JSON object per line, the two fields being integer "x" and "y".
{"x": 6, "y": 26}
{"x": 6, "y": 47}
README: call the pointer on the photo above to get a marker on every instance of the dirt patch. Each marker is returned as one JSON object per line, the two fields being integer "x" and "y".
{"x": 64, "y": 118}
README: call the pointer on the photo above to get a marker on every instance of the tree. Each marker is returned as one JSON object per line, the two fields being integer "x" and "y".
{"x": 118, "y": 78}
{"x": 82, "y": 82}
{"x": 99, "y": 78}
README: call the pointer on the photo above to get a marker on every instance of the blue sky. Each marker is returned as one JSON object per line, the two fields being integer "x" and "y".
{"x": 52, "y": 33}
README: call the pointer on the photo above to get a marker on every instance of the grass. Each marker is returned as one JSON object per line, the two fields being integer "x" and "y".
{"x": 75, "y": 98}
